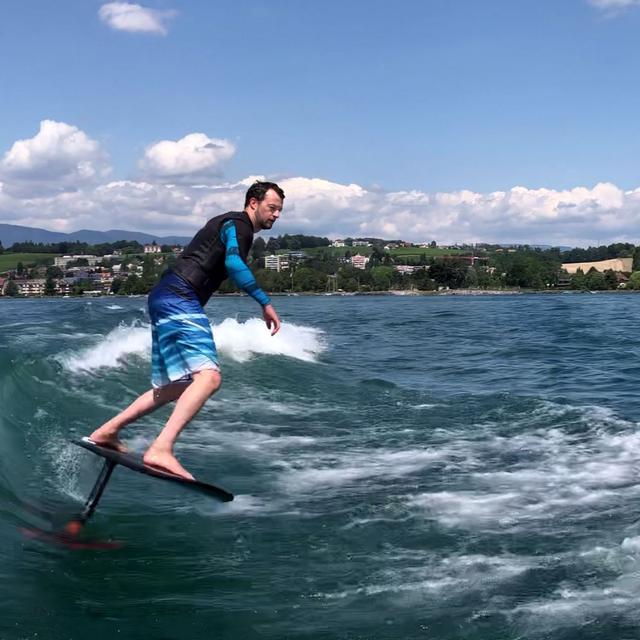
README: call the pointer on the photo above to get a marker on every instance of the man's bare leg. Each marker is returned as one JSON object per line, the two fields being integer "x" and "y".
{"x": 107, "y": 434}
{"x": 160, "y": 453}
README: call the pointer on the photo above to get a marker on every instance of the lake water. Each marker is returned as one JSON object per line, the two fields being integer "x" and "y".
{"x": 404, "y": 467}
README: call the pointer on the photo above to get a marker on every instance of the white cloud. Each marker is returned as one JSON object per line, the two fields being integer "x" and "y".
{"x": 614, "y": 4}
{"x": 578, "y": 216}
{"x": 321, "y": 207}
{"x": 59, "y": 157}
{"x": 194, "y": 157}
{"x": 125, "y": 16}
{"x": 59, "y": 180}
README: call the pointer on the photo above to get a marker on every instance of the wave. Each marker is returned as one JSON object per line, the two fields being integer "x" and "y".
{"x": 238, "y": 341}
{"x": 583, "y": 462}
{"x": 242, "y": 340}
{"x": 113, "y": 350}
{"x": 348, "y": 468}
{"x": 571, "y": 604}
{"x": 431, "y": 576}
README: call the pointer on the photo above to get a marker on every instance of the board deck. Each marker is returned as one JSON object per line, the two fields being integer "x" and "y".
{"x": 135, "y": 463}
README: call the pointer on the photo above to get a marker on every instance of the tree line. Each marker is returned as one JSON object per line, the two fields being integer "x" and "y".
{"x": 323, "y": 271}
{"x": 77, "y": 248}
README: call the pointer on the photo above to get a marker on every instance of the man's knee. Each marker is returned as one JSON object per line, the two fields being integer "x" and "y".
{"x": 211, "y": 379}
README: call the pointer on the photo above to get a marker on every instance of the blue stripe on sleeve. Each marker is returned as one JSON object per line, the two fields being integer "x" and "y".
{"x": 237, "y": 269}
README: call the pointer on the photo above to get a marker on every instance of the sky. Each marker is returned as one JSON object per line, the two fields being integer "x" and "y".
{"x": 446, "y": 120}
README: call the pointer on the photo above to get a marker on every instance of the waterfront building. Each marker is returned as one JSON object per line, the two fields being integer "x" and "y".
{"x": 276, "y": 262}
{"x": 103, "y": 278}
{"x": 63, "y": 287}
{"x": 34, "y": 287}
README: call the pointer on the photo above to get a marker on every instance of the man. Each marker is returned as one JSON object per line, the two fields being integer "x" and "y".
{"x": 184, "y": 363}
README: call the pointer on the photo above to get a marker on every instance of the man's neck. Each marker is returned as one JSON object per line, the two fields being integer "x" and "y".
{"x": 252, "y": 217}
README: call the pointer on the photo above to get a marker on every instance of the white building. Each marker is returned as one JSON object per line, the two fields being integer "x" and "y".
{"x": 33, "y": 287}
{"x": 408, "y": 268}
{"x": 338, "y": 243}
{"x": 62, "y": 261}
{"x": 152, "y": 248}
{"x": 276, "y": 262}
{"x": 359, "y": 262}
{"x": 361, "y": 243}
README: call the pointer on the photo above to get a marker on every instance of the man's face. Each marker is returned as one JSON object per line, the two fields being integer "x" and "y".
{"x": 268, "y": 211}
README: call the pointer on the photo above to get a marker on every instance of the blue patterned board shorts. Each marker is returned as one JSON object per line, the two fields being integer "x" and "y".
{"x": 181, "y": 338}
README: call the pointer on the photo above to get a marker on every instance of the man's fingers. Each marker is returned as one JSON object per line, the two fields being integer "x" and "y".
{"x": 271, "y": 320}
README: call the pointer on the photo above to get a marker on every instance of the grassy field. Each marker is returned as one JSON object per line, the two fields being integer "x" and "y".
{"x": 10, "y": 260}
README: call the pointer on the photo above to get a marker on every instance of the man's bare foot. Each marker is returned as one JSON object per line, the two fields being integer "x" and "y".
{"x": 108, "y": 439}
{"x": 164, "y": 460}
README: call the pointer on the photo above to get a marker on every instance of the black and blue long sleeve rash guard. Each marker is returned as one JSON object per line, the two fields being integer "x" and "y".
{"x": 217, "y": 252}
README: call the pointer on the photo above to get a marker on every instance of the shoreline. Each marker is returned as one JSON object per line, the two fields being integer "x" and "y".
{"x": 398, "y": 294}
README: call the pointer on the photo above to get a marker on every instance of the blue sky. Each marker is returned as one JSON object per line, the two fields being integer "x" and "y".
{"x": 434, "y": 119}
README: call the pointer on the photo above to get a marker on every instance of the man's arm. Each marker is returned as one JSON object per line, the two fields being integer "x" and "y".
{"x": 240, "y": 273}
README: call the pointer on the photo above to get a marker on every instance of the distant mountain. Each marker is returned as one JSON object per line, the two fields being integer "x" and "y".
{"x": 561, "y": 247}
{"x": 515, "y": 245}
{"x": 10, "y": 233}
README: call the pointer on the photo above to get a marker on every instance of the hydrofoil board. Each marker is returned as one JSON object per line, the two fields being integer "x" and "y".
{"x": 135, "y": 463}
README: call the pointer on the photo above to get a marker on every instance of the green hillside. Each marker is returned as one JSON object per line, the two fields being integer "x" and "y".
{"x": 10, "y": 261}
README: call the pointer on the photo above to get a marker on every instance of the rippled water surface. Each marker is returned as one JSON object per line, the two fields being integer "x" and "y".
{"x": 429, "y": 467}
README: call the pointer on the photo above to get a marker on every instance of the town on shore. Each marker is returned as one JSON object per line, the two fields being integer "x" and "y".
{"x": 309, "y": 264}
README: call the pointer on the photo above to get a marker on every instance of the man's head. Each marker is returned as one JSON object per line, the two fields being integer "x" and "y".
{"x": 263, "y": 204}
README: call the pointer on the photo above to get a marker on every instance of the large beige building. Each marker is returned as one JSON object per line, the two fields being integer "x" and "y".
{"x": 616, "y": 264}
{"x": 276, "y": 262}
{"x": 62, "y": 261}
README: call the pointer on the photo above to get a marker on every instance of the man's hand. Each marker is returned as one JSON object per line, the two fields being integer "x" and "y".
{"x": 271, "y": 318}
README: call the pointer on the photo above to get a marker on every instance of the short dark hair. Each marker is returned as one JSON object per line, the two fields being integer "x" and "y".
{"x": 258, "y": 190}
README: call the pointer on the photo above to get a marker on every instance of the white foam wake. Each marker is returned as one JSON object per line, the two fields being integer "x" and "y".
{"x": 243, "y": 340}
{"x": 113, "y": 350}
{"x": 346, "y": 468}
{"x": 235, "y": 340}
